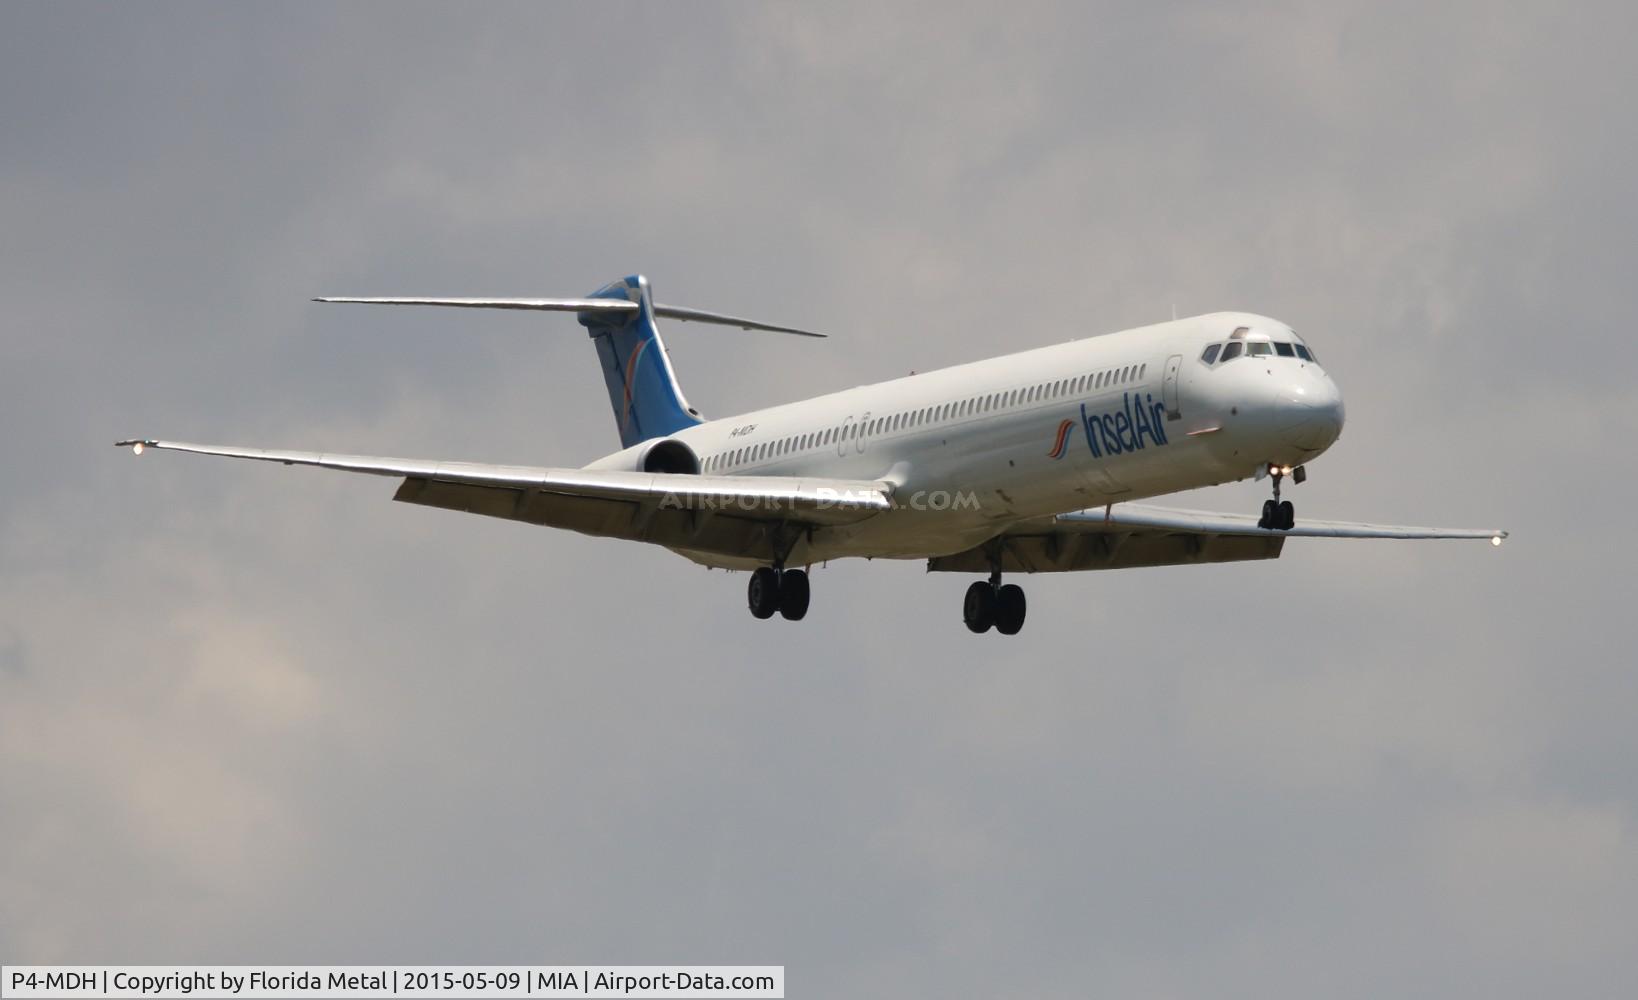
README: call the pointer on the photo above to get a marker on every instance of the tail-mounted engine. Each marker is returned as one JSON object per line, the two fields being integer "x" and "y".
{"x": 669, "y": 455}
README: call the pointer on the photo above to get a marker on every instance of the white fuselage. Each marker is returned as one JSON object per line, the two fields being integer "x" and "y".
{"x": 973, "y": 449}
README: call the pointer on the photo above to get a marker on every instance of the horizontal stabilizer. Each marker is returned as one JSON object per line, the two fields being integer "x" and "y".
{"x": 701, "y": 316}
{"x": 607, "y": 306}
{"x": 549, "y": 305}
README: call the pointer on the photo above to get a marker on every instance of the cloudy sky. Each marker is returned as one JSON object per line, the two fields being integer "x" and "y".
{"x": 261, "y": 714}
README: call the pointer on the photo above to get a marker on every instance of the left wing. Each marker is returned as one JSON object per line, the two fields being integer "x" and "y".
{"x": 732, "y": 515}
{"x": 1129, "y": 535}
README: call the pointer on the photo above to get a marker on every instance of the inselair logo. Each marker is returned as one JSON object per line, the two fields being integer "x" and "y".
{"x": 1136, "y": 425}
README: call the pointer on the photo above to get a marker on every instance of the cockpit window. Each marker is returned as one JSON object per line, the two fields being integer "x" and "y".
{"x": 1302, "y": 352}
{"x": 1259, "y": 348}
{"x": 1283, "y": 349}
{"x": 1233, "y": 350}
{"x": 1211, "y": 353}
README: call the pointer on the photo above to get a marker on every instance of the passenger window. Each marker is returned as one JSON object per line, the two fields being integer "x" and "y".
{"x": 1302, "y": 352}
{"x": 1283, "y": 349}
{"x": 1211, "y": 353}
{"x": 1259, "y": 348}
{"x": 1232, "y": 351}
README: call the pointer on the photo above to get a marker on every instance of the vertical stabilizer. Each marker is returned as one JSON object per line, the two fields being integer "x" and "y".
{"x": 643, "y": 389}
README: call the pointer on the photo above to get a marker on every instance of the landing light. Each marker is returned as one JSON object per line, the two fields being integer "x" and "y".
{"x": 1495, "y": 540}
{"x": 136, "y": 449}
{"x": 1285, "y": 470}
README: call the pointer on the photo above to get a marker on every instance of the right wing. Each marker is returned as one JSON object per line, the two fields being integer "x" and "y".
{"x": 727, "y": 514}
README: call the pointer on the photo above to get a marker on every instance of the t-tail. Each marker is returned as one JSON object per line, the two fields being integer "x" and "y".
{"x": 643, "y": 389}
{"x": 620, "y": 316}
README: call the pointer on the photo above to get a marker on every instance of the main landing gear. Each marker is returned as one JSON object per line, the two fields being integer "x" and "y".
{"x": 1279, "y": 515}
{"x": 990, "y": 603}
{"x": 774, "y": 589}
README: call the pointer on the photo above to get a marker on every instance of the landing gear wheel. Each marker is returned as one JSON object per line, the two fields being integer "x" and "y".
{"x": 1286, "y": 516}
{"x": 1009, "y": 609}
{"x": 793, "y": 594}
{"x": 978, "y": 609}
{"x": 763, "y": 592}
{"x": 1278, "y": 515}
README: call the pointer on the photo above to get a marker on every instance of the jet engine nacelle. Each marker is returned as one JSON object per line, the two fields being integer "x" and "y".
{"x": 668, "y": 455}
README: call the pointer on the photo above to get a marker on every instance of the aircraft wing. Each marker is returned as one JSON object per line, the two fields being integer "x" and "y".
{"x": 1129, "y": 535}
{"x": 727, "y": 514}
{"x": 1136, "y": 517}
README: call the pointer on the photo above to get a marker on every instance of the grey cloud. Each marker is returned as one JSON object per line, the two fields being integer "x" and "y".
{"x": 267, "y": 715}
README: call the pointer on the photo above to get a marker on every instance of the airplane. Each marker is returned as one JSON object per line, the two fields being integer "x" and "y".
{"x": 1034, "y": 462}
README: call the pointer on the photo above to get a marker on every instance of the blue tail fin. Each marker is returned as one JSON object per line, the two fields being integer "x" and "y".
{"x": 642, "y": 387}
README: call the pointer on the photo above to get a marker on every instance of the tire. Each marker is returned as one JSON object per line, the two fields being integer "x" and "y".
{"x": 978, "y": 608}
{"x": 793, "y": 594}
{"x": 1009, "y": 609}
{"x": 762, "y": 594}
{"x": 1270, "y": 511}
{"x": 1287, "y": 515}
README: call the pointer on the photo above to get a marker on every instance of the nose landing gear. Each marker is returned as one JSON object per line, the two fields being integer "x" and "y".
{"x": 1279, "y": 515}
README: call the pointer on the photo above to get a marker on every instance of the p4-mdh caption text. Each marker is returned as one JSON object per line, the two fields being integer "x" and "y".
{"x": 160, "y": 982}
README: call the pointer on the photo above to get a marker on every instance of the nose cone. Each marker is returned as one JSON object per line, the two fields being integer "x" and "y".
{"x": 1309, "y": 413}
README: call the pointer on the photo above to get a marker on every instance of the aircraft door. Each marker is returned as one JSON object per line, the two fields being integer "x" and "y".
{"x": 1168, "y": 388}
{"x": 845, "y": 438}
{"x": 864, "y": 428}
